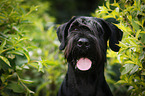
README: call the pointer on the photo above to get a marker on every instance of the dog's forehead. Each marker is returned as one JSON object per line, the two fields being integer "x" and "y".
{"x": 85, "y": 22}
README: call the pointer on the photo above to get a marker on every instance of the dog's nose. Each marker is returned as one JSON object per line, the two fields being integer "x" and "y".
{"x": 83, "y": 42}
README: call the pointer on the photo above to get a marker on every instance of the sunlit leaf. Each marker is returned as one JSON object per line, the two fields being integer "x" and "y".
{"x": 16, "y": 53}
{"x": 108, "y": 4}
{"x": 135, "y": 25}
{"x": 5, "y": 60}
{"x": 126, "y": 68}
{"x": 22, "y": 39}
{"x": 3, "y": 44}
{"x": 137, "y": 34}
{"x": 135, "y": 68}
{"x": 35, "y": 65}
{"x": 115, "y": 4}
{"x": 130, "y": 78}
{"x": 121, "y": 44}
{"x": 129, "y": 62}
{"x": 103, "y": 9}
{"x": 27, "y": 55}
{"x": 27, "y": 81}
{"x": 121, "y": 82}
{"x": 40, "y": 67}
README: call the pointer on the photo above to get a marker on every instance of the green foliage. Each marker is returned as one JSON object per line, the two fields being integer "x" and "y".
{"x": 132, "y": 53}
{"x": 29, "y": 60}
{"x": 13, "y": 48}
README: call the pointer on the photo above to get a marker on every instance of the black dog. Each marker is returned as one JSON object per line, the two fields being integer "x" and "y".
{"x": 85, "y": 42}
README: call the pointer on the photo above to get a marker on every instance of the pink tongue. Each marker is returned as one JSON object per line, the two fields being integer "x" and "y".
{"x": 84, "y": 64}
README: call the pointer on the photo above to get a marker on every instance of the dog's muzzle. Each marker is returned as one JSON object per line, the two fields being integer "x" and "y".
{"x": 83, "y": 63}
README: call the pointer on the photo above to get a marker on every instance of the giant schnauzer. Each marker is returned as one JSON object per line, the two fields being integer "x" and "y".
{"x": 84, "y": 40}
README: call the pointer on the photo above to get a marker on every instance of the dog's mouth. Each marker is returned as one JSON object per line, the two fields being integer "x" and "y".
{"x": 84, "y": 64}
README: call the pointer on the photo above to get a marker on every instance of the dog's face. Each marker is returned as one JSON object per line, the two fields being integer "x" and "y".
{"x": 85, "y": 40}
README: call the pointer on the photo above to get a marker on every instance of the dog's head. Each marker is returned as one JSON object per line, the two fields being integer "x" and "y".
{"x": 86, "y": 37}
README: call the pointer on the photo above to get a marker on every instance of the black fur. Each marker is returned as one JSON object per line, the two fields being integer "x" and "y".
{"x": 96, "y": 31}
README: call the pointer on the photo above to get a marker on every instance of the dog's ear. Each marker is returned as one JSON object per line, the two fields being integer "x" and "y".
{"x": 115, "y": 36}
{"x": 113, "y": 32}
{"x": 62, "y": 32}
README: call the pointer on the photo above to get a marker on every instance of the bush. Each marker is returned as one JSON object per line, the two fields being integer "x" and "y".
{"x": 131, "y": 56}
{"x": 14, "y": 56}
{"x": 29, "y": 60}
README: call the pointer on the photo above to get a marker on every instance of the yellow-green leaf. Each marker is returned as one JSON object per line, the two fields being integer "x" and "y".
{"x": 143, "y": 73}
{"x": 27, "y": 81}
{"x": 137, "y": 33}
{"x": 121, "y": 82}
{"x": 5, "y": 60}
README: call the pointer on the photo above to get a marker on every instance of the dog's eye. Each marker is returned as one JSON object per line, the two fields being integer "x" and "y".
{"x": 76, "y": 29}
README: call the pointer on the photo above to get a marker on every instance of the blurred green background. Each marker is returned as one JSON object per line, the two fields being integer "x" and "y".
{"x": 32, "y": 65}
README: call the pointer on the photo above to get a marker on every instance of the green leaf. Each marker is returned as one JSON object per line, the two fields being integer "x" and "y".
{"x": 135, "y": 68}
{"x": 143, "y": 73}
{"x": 22, "y": 39}
{"x": 108, "y": 4}
{"x": 108, "y": 16}
{"x": 142, "y": 56}
{"x": 34, "y": 64}
{"x": 16, "y": 87}
{"x": 115, "y": 4}
{"x": 5, "y": 60}
{"x": 3, "y": 44}
{"x": 129, "y": 62}
{"x": 26, "y": 21}
{"x": 137, "y": 34}
{"x": 130, "y": 79}
{"x": 4, "y": 77}
{"x": 40, "y": 67}
{"x": 7, "y": 40}
{"x": 127, "y": 68}
{"x": 142, "y": 32}
{"x": 121, "y": 82}
{"x": 32, "y": 9}
{"x": 103, "y": 9}
{"x": 117, "y": 10}
{"x": 132, "y": 42}
{"x": 20, "y": 60}
{"x": 30, "y": 91}
{"x": 135, "y": 25}
{"x": 27, "y": 81}
{"x": 16, "y": 53}
{"x": 121, "y": 44}
{"x": 27, "y": 55}
{"x": 142, "y": 38}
